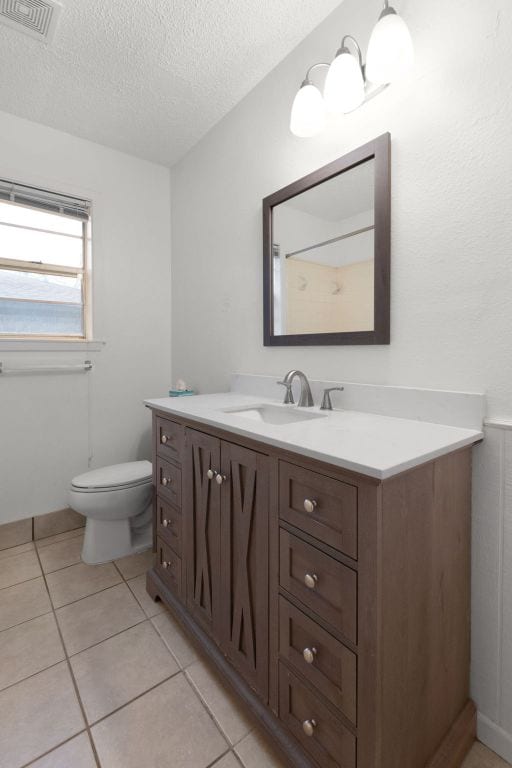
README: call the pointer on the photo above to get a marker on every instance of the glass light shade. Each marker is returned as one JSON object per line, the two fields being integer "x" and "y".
{"x": 308, "y": 112}
{"x": 344, "y": 84}
{"x": 390, "y": 51}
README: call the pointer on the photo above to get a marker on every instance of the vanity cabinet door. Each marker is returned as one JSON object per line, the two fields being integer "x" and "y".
{"x": 202, "y": 530}
{"x": 244, "y": 578}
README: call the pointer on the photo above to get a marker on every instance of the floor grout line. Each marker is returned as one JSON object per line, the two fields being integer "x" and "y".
{"x": 218, "y": 759}
{"x": 17, "y": 584}
{"x": 61, "y": 744}
{"x": 25, "y": 621}
{"x": 206, "y": 707}
{"x": 94, "y": 645}
{"x": 73, "y": 679}
{"x": 67, "y": 659}
{"x": 75, "y": 531}
{"x": 139, "y": 696}
{"x": 28, "y": 677}
{"x": 79, "y": 600}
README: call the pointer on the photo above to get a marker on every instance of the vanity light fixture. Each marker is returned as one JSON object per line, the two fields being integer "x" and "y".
{"x": 349, "y": 83}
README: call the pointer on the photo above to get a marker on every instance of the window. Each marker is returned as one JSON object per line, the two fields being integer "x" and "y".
{"x": 44, "y": 257}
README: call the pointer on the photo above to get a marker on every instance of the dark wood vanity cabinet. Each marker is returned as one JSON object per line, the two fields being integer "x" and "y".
{"x": 334, "y": 604}
{"x": 225, "y": 530}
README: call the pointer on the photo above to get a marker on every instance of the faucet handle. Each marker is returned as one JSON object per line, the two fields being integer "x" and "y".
{"x": 288, "y": 398}
{"x": 326, "y": 400}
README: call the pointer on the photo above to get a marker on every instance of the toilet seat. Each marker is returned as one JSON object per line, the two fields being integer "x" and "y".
{"x": 113, "y": 478}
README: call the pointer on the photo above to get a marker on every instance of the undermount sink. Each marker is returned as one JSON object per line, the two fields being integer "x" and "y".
{"x": 273, "y": 414}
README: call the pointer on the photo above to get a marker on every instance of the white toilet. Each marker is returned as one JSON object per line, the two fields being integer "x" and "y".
{"x": 116, "y": 501}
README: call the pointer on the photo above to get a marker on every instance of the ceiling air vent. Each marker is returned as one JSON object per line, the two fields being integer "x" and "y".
{"x": 37, "y": 18}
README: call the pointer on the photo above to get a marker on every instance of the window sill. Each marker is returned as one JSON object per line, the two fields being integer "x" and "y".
{"x": 50, "y": 345}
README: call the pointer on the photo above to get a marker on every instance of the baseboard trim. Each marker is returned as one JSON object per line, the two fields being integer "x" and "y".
{"x": 494, "y": 737}
{"x": 458, "y": 740}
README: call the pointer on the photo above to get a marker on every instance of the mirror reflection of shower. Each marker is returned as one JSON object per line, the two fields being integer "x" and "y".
{"x": 323, "y": 256}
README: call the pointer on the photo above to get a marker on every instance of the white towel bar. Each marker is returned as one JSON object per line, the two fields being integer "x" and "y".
{"x": 82, "y": 368}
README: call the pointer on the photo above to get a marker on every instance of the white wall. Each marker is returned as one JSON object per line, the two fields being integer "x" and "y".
{"x": 55, "y": 426}
{"x": 451, "y": 322}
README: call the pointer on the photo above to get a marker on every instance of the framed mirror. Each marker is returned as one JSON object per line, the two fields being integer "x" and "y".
{"x": 326, "y": 250}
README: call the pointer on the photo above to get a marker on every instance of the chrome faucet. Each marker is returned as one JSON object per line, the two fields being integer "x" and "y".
{"x": 306, "y": 398}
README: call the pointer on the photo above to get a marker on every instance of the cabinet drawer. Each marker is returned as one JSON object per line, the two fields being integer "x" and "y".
{"x": 168, "y": 482}
{"x": 168, "y": 524}
{"x": 168, "y": 566}
{"x": 323, "y": 584}
{"x": 312, "y": 723}
{"x": 323, "y": 507}
{"x": 170, "y": 439}
{"x": 319, "y": 657}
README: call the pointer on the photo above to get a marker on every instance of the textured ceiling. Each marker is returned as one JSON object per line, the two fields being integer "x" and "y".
{"x": 149, "y": 77}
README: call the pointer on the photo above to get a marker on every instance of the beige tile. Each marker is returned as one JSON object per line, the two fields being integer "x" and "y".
{"x": 18, "y": 568}
{"x": 80, "y": 580}
{"x": 134, "y": 565}
{"x": 167, "y": 724}
{"x": 481, "y": 757}
{"x": 59, "y": 537}
{"x": 57, "y": 522}
{"x": 97, "y": 617}
{"x": 76, "y": 753}
{"x": 255, "y": 752}
{"x": 61, "y": 554}
{"x": 29, "y": 648}
{"x": 18, "y": 532}
{"x": 149, "y": 606}
{"x": 228, "y": 761}
{"x": 5, "y": 553}
{"x": 23, "y": 602}
{"x": 175, "y": 639}
{"x": 43, "y": 710}
{"x": 114, "y": 672}
{"x": 224, "y": 707}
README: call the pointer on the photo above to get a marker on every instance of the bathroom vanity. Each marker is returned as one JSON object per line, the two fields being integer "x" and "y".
{"x": 322, "y": 562}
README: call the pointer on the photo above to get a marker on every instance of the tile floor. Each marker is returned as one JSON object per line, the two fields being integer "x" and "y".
{"x": 94, "y": 674}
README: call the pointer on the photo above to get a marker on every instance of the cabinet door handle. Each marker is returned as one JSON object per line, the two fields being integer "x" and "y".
{"x": 164, "y": 439}
{"x": 166, "y": 564}
{"x": 211, "y": 474}
{"x": 166, "y": 481}
{"x": 310, "y": 580}
{"x": 309, "y": 655}
{"x": 219, "y": 479}
{"x": 310, "y": 505}
{"x": 166, "y": 523}
{"x": 308, "y": 726}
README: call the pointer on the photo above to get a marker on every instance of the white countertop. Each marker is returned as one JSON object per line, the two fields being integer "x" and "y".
{"x": 374, "y": 445}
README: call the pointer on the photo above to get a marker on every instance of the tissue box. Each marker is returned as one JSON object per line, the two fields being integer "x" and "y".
{"x": 181, "y": 392}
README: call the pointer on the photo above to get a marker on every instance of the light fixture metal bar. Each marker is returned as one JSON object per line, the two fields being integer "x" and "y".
{"x": 332, "y": 240}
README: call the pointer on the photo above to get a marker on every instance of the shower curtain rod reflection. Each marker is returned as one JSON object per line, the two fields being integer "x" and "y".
{"x": 332, "y": 240}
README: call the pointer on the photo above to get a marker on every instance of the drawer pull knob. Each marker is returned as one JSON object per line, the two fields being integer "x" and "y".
{"x": 310, "y": 505}
{"x": 308, "y": 726}
{"x": 164, "y": 439}
{"x": 219, "y": 479}
{"x": 309, "y": 655}
{"x": 310, "y": 580}
{"x": 166, "y": 523}
{"x": 211, "y": 474}
{"x": 166, "y": 481}
{"x": 165, "y": 564}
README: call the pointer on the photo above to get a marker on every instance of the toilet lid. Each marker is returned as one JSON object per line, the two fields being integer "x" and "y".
{"x": 116, "y": 476}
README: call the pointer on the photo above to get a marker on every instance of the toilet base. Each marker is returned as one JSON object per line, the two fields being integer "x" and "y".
{"x": 107, "y": 540}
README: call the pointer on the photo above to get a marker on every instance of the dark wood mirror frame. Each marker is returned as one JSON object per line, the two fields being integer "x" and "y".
{"x": 378, "y": 150}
